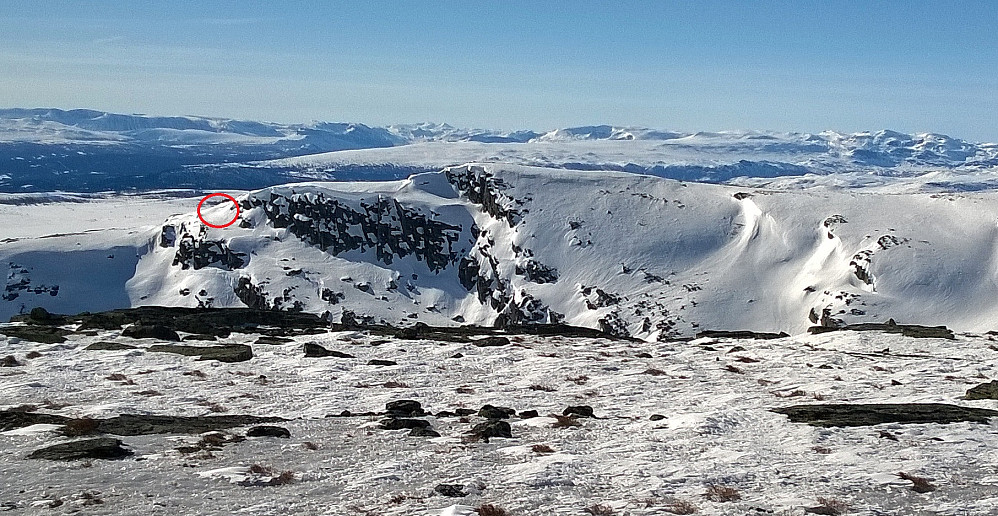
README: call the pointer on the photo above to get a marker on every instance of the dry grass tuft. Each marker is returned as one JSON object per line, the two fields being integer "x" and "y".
{"x": 600, "y": 510}
{"x": 541, "y": 448}
{"x": 564, "y": 422}
{"x": 717, "y": 493}
{"x": 544, "y": 388}
{"x": 919, "y": 484}
{"x": 81, "y": 426}
{"x": 491, "y": 510}
{"x": 832, "y": 506}
{"x": 677, "y": 506}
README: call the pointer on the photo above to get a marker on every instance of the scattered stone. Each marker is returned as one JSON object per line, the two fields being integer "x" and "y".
{"x": 99, "y": 448}
{"x": 379, "y": 362}
{"x": 33, "y": 333}
{"x": 313, "y": 350}
{"x": 404, "y": 408}
{"x": 656, "y": 417}
{"x": 269, "y": 431}
{"x": 9, "y": 361}
{"x": 456, "y": 355}
{"x": 450, "y": 490}
{"x": 274, "y": 341}
{"x": 131, "y": 424}
{"x": 829, "y": 415}
{"x": 200, "y": 336}
{"x": 154, "y": 331}
{"x": 490, "y": 412}
{"x": 643, "y": 355}
{"x": 423, "y": 432}
{"x": 465, "y": 412}
{"x": 579, "y": 411}
{"x": 528, "y": 414}
{"x": 984, "y": 391}
{"x": 908, "y": 330}
{"x": 109, "y": 346}
{"x": 740, "y": 334}
{"x": 491, "y": 342}
{"x": 445, "y": 413}
{"x": 222, "y": 353}
{"x": 492, "y": 428}
{"x": 402, "y": 424}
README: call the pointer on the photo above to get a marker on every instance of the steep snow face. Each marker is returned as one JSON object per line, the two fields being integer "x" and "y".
{"x": 630, "y": 254}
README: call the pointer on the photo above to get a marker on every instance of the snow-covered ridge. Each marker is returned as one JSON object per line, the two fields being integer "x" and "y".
{"x": 497, "y": 244}
{"x": 84, "y": 150}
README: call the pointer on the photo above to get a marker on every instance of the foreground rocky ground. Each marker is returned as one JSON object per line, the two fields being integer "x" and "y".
{"x": 250, "y": 415}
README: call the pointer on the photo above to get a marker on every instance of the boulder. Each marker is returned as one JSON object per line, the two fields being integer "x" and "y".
{"x": 273, "y": 341}
{"x": 859, "y": 414}
{"x": 313, "y": 350}
{"x": 269, "y": 431}
{"x": 423, "y": 432}
{"x": 154, "y": 331}
{"x": 491, "y": 342}
{"x": 490, "y": 412}
{"x": 402, "y": 424}
{"x": 109, "y": 346}
{"x": 528, "y": 414}
{"x": 578, "y": 411}
{"x": 450, "y": 490}
{"x": 404, "y": 408}
{"x": 222, "y": 353}
{"x": 41, "y": 334}
{"x": 492, "y": 428}
{"x": 99, "y": 448}
{"x": 984, "y": 391}
{"x": 384, "y": 363}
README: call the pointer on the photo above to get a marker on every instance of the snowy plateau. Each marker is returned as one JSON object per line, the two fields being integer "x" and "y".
{"x": 425, "y": 320}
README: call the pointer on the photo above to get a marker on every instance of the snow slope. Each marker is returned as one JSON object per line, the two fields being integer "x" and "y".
{"x": 630, "y": 254}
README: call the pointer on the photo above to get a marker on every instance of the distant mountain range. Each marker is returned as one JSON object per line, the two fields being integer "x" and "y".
{"x": 86, "y": 151}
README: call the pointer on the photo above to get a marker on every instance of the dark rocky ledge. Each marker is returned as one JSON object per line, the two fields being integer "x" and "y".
{"x": 860, "y": 414}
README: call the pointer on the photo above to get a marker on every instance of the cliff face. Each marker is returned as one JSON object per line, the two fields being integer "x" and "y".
{"x": 628, "y": 254}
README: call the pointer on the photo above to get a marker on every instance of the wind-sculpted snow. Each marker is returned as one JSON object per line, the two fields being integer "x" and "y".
{"x": 631, "y": 255}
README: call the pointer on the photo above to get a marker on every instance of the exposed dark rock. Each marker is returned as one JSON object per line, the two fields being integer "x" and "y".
{"x": 9, "y": 361}
{"x": 403, "y": 423}
{"x": 490, "y": 412}
{"x": 404, "y": 408}
{"x": 445, "y": 413}
{"x": 198, "y": 253}
{"x": 33, "y": 333}
{"x": 656, "y": 417}
{"x": 313, "y": 350}
{"x": 268, "y": 431}
{"x": 201, "y": 337}
{"x": 99, "y": 448}
{"x": 222, "y": 353}
{"x": 492, "y": 428}
{"x": 578, "y": 411}
{"x": 109, "y": 346}
{"x": 14, "y": 419}
{"x": 537, "y": 272}
{"x": 382, "y": 224}
{"x": 456, "y": 355}
{"x": 450, "y": 490}
{"x": 251, "y": 295}
{"x": 908, "y": 330}
{"x": 423, "y": 432}
{"x": 155, "y": 331}
{"x": 491, "y": 342}
{"x": 465, "y": 412}
{"x": 528, "y": 414}
{"x": 379, "y": 362}
{"x": 131, "y": 424}
{"x": 273, "y": 341}
{"x": 827, "y": 415}
{"x": 739, "y": 334}
{"x": 984, "y": 391}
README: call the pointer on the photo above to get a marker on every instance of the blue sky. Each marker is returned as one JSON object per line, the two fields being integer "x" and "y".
{"x": 699, "y": 65}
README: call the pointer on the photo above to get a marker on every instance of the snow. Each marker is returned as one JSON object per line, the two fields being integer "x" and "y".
{"x": 717, "y": 430}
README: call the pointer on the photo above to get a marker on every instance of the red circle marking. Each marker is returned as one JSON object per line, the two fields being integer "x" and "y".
{"x": 227, "y": 196}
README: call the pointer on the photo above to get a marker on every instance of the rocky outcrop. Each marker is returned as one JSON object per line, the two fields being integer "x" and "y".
{"x": 100, "y": 448}
{"x": 382, "y": 225}
{"x": 858, "y": 414}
